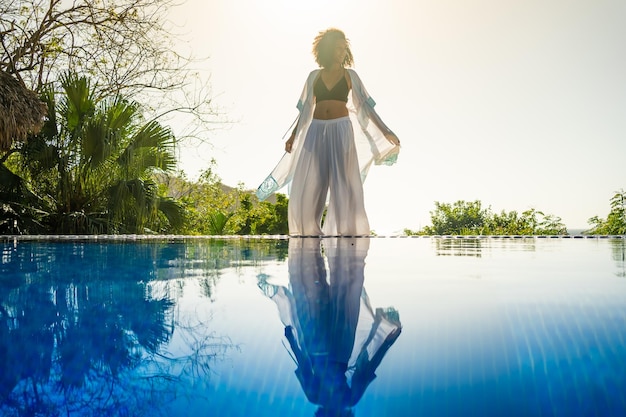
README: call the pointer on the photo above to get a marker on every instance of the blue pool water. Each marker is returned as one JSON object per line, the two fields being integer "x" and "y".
{"x": 313, "y": 327}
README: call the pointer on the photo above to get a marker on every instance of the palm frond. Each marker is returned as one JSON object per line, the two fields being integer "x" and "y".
{"x": 150, "y": 147}
{"x": 78, "y": 102}
{"x": 172, "y": 210}
{"x": 218, "y": 221}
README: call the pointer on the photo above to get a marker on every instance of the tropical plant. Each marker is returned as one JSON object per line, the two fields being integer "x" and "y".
{"x": 212, "y": 208}
{"x": 469, "y": 218}
{"x": 260, "y": 218}
{"x": 462, "y": 217}
{"x": 127, "y": 48}
{"x": 91, "y": 169}
{"x": 208, "y": 203}
{"x": 530, "y": 222}
{"x": 217, "y": 222}
{"x": 615, "y": 222}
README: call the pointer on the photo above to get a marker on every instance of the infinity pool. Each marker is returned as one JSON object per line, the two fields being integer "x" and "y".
{"x": 174, "y": 326}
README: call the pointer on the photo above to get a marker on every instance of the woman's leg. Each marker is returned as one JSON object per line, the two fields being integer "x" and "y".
{"x": 346, "y": 207}
{"x": 309, "y": 187}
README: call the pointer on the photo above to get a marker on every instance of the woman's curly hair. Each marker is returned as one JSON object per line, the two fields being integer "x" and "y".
{"x": 324, "y": 47}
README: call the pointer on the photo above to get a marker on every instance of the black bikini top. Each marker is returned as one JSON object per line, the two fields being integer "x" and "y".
{"x": 338, "y": 92}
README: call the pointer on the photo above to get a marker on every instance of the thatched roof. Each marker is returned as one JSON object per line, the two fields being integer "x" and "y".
{"x": 21, "y": 111}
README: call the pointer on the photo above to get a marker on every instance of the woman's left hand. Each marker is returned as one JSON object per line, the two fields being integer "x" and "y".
{"x": 391, "y": 137}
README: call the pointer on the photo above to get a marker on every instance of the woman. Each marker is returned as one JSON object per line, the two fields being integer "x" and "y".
{"x": 323, "y": 153}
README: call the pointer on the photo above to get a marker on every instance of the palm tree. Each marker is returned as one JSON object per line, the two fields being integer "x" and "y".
{"x": 91, "y": 168}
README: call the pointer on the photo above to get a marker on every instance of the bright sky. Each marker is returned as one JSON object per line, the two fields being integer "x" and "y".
{"x": 517, "y": 103}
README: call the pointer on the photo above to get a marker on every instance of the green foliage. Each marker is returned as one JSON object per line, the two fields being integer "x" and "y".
{"x": 530, "y": 222}
{"x": 215, "y": 209}
{"x": 469, "y": 218}
{"x": 91, "y": 169}
{"x": 459, "y": 218}
{"x": 260, "y": 218}
{"x": 217, "y": 222}
{"x": 208, "y": 204}
{"x": 615, "y": 222}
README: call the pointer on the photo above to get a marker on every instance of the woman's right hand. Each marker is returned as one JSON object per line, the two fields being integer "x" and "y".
{"x": 289, "y": 144}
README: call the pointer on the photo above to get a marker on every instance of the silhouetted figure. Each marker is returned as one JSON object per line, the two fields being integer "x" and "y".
{"x": 337, "y": 136}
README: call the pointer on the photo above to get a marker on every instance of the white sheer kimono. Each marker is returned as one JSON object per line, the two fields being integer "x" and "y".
{"x": 369, "y": 141}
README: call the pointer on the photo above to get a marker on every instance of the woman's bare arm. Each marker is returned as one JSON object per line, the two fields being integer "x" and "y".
{"x": 289, "y": 143}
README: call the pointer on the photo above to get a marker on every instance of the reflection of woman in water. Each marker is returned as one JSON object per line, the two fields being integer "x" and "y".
{"x": 337, "y": 339}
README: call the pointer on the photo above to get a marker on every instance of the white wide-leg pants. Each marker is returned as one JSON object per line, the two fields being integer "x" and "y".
{"x": 328, "y": 168}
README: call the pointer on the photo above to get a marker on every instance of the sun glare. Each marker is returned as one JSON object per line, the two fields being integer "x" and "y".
{"x": 320, "y": 14}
